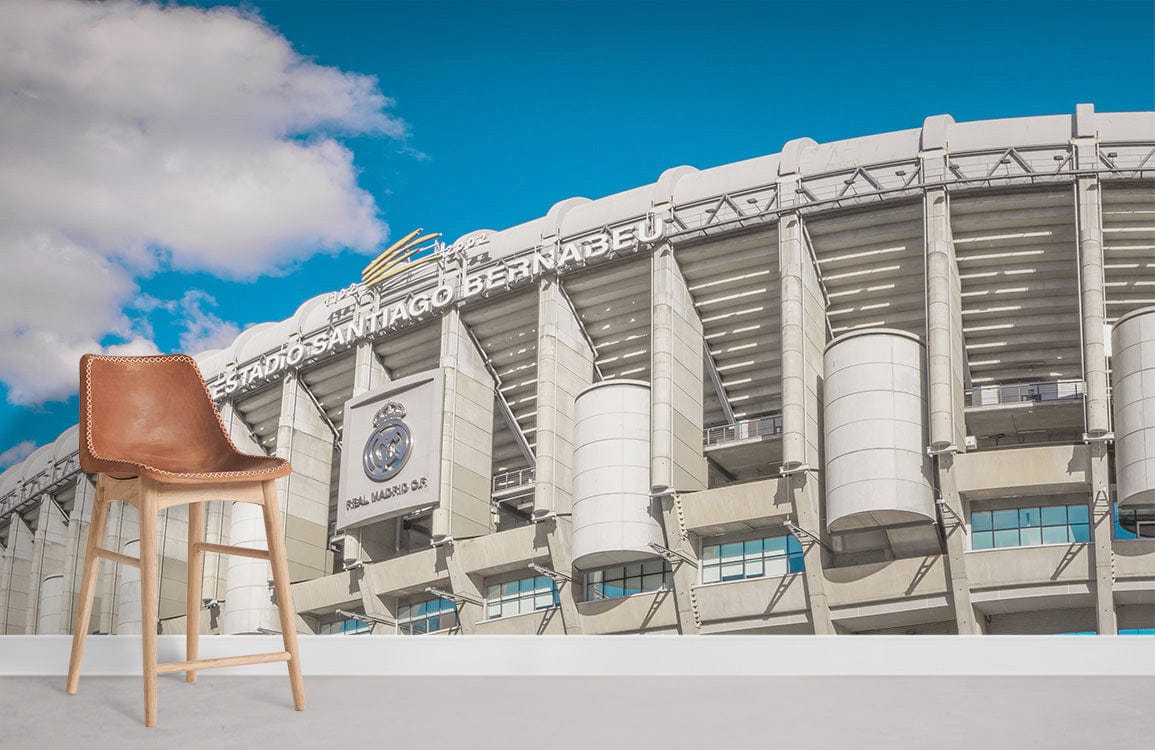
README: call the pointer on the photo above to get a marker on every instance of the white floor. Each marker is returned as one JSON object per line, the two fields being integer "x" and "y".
{"x": 600, "y": 713}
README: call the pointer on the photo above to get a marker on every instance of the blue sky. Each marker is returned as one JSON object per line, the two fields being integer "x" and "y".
{"x": 511, "y": 107}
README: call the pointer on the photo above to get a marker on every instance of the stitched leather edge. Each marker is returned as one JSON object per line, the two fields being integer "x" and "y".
{"x": 136, "y": 467}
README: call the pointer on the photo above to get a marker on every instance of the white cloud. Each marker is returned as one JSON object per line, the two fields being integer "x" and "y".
{"x": 134, "y": 135}
{"x": 18, "y": 452}
{"x": 203, "y": 330}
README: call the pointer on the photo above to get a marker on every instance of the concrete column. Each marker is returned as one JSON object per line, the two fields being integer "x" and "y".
{"x": 48, "y": 548}
{"x": 78, "y": 520}
{"x": 803, "y": 337}
{"x": 955, "y": 537}
{"x": 676, "y": 381}
{"x": 369, "y": 372}
{"x": 1103, "y": 520}
{"x": 247, "y": 596}
{"x": 16, "y": 577}
{"x": 128, "y": 593}
{"x": 946, "y": 356}
{"x": 685, "y": 574}
{"x": 564, "y": 368}
{"x": 122, "y": 525}
{"x": 559, "y": 538}
{"x": 305, "y": 439}
{"x": 468, "y": 613}
{"x": 466, "y": 436}
{"x": 1090, "y": 219}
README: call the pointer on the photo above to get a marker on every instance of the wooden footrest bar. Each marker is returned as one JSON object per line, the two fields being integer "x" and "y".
{"x": 225, "y": 661}
{"x": 225, "y": 549}
{"x": 108, "y": 554}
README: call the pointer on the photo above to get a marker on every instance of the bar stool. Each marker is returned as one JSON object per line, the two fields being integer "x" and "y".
{"x": 151, "y": 434}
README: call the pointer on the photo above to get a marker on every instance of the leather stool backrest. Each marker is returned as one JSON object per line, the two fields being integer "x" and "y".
{"x": 152, "y": 410}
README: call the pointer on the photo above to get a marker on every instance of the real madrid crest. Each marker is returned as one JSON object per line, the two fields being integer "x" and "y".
{"x": 389, "y": 445}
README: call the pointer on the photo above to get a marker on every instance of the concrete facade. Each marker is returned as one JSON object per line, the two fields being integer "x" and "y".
{"x": 1007, "y": 247}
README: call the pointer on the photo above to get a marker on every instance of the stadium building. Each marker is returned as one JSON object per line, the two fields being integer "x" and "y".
{"x": 903, "y": 383}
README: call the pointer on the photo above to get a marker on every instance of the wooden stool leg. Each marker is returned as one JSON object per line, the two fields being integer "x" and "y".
{"x": 196, "y": 557}
{"x": 88, "y": 584}
{"x": 149, "y": 593}
{"x": 280, "y": 566}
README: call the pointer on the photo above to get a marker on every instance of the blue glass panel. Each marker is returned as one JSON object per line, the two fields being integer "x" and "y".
{"x": 1120, "y": 532}
{"x": 732, "y": 551}
{"x": 1029, "y": 517}
{"x": 1055, "y": 515}
{"x": 1007, "y": 538}
{"x": 525, "y": 585}
{"x": 982, "y": 540}
{"x": 752, "y": 548}
{"x": 777, "y": 543}
{"x": 797, "y": 564}
{"x": 793, "y": 545}
{"x": 1078, "y": 514}
{"x": 1080, "y": 532}
{"x": 1030, "y": 536}
{"x": 509, "y": 589}
{"x": 1055, "y": 535}
{"x": 1005, "y": 519}
{"x": 981, "y": 521}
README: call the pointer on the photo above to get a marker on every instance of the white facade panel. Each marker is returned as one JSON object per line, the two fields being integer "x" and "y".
{"x": 877, "y": 470}
{"x": 1133, "y": 379}
{"x": 613, "y": 520}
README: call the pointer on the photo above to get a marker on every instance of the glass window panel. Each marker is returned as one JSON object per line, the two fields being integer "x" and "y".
{"x": 652, "y": 582}
{"x": 509, "y": 589}
{"x": 1055, "y": 515}
{"x": 1029, "y": 517}
{"x": 543, "y": 600}
{"x": 1078, "y": 514}
{"x": 776, "y": 566}
{"x": 755, "y": 568}
{"x": 594, "y": 576}
{"x": 1080, "y": 532}
{"x": 634, "y": 570}
{"x": 793, "y": 545}
{"x": 711, "y": 574}
{"x": 493, "y": 609}
{"x": 776, "y": 543}
{"x": 653, "y": 566}
{"x": 1030, "y": 536}
{"x": 731, "y": 552}
{"x": 981, "y": 521}
{"x": 797, "y": 564}
{"x": 525, "y": 584}
{"x": 752, "y": 547}
{"x": 492, "y": 592}
{"x": 1055, "y": 534}
{"x": 1005, "y": 519}
{"x": 982, "y": 540}
{"x": 732, "y": 571}
{"x": 1007, "y": 538}
{"x": 710, "y": 552}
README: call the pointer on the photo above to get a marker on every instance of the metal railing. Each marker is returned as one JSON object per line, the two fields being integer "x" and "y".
{"x": 512, "y": 479}
{"x": 1017, "y": 393}
{"x": 743, "y": 429}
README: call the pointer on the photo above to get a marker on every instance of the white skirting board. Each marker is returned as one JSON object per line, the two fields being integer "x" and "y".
{"x": 609, "y": 655}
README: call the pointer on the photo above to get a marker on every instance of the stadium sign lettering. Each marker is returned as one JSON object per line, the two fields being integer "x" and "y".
{"x": 523, "y": 268}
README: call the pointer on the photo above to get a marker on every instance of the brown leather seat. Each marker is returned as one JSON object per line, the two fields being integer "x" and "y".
{"x": 153, "y": 416}
{"x": 151, "y": 435}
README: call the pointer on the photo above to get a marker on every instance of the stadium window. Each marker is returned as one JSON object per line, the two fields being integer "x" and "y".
{"x": 1134, "y": 521}
{"x": 752, "y": 558}
{"x": 520, "y": 596}
{"x": 626, "y": 580}
{"x": 428, "y": 616}
{"x": 1031, "y": 526}
{"x": 338, "y": 625}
